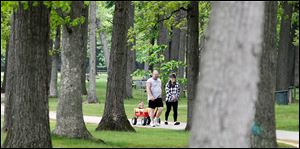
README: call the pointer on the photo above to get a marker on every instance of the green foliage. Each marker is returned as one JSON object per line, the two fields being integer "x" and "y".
{"x": 171, "y": 67}
{"x": 7, "y": 8}
{"x": 204, "y": 12}
{"x": 105, "y": 15}
{"x": 153, "y": 55}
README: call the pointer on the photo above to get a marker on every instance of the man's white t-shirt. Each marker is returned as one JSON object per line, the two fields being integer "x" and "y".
{"x": 155, "y": 87}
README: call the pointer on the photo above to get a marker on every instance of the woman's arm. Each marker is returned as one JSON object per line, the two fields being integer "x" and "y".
{"x": 178, "y": 91}
{"x": 168, "y": 93}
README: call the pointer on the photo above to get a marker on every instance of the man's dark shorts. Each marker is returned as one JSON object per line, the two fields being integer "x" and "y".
{"x": 155, "y": 103}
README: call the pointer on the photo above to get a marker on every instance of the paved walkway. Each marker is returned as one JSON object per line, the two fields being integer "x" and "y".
{"x": 287, "y": 137}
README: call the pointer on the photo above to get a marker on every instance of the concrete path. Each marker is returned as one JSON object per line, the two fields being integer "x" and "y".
{"x": 287, "y": 137}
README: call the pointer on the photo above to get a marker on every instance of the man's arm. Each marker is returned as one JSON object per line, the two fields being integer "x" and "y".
{"x": 148, "y": 86}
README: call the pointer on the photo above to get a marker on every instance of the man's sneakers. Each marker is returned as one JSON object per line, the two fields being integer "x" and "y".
{"x": 156, "y": 121}
{"x": 177, "y": 123}
{"x": 152, "y": 124}
{"x": 166, "y": 123}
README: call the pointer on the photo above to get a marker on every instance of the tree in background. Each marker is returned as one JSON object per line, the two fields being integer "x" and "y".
{"x": 130, "y": 56}
{"x": 192, "y": 57}
{"x": 69, "y": 116}
{"x": 114, "y": 117}
{"x": 282, "y": 72}
{"x": 84, "y": 48}
{"x": 91, "y": 97}
{"x": 54, "y": 64}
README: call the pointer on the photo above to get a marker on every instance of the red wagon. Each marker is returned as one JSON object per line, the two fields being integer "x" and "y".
{"x": 145, "y": 118}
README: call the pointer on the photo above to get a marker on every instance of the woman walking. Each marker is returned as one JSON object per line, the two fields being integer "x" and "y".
{"x": 172, "y": 97}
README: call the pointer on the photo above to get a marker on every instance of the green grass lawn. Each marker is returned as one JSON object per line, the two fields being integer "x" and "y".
{"x": 143, "y": 137}
{"x": 287, "y": 117}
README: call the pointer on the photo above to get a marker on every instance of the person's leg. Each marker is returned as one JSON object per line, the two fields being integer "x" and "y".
{"x": 151, "y": 112}
{"x": 159, "y": 107}
{"x": 168, "y": 111}
{"x": 175, "y": 108}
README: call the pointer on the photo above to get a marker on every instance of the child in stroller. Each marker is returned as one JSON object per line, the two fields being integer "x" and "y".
{"x": 141, "y": 111}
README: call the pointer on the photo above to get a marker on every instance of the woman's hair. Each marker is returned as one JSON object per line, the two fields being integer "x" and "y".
{"x": 170, "y": 84}
{"x": 173, "y": 75}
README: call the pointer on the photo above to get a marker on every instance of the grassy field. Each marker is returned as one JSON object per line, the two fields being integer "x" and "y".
{"x": 143, "y": 137}
{"x": 287, "y": 117}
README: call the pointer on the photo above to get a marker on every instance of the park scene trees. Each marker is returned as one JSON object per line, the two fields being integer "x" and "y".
{"x": 98, "y": 73}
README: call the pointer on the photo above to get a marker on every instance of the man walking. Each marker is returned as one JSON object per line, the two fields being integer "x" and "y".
{"x": 154, "y": 91}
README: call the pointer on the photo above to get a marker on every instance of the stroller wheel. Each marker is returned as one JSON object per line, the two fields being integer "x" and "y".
{"x": 144, "y": 121}
{"x": 134, "y": 121}
{"x": 148, "y": 120}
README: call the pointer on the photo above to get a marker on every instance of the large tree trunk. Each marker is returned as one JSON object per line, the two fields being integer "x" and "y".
{"x": 84, "y": 46}
{"x": 53, "y": 81}
{"x": 282, "y": 77}
{"x": 69, "y": 117}
{"x": 30, "y": 114}
{"x": 91, "y": 97}
{"x": 5, "y": 67}
{"x": 10, "y": 74}
{"x": 130, "y": 57}
{"x": 229, "y": 73}
{"x": 265, "y": 110}
{"x": 192, "y": 57}
{"x": 114, "y": 117}
{"x": 163, "y": 38}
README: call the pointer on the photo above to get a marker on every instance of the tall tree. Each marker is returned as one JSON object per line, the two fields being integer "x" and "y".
{"x": 130, "y": 56}
{"x": 192, "y": 57}
{"x": 69, "y": 117}
{"x": 104, "y": 42}
{"x": 55, "y": 58}
{"x": 175, "y": 38}
{"x": 264, "y": 107}
{"x": 227, "y": 86}
{"x": 182, "y": 50}
{"x": 282, "y": 77}
{"x": 29, "y": 110}
{"x": 114, "y": 117}
{"x": 163, "y": 37}
{"x": 91, "y": 97}
{"x": 84, "y": 46}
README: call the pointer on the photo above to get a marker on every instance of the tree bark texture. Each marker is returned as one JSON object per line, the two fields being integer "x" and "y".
{"x": 29, "y": 110}
{"x": 114, "y": 117}
{"x": 227, "y": 88}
